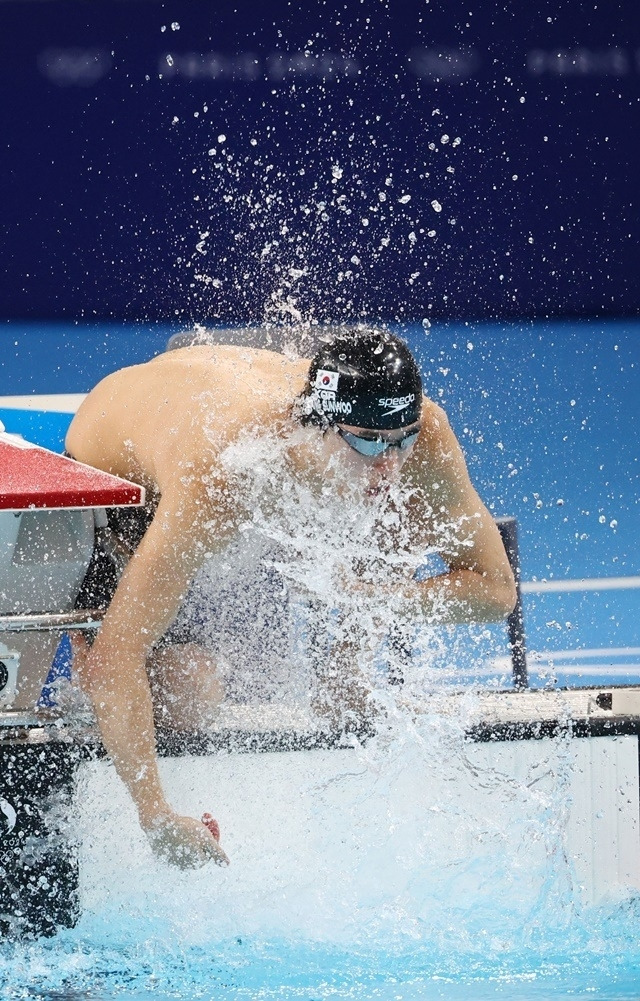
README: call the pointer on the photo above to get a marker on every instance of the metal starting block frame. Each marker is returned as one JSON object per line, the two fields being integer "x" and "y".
{"x": 50, "y": 507}
{"x": 50, "y": 510}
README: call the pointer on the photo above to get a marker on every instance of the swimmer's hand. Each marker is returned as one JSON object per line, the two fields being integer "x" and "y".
{"x": 184, "y": 842}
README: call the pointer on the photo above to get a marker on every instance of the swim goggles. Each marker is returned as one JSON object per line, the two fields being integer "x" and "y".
{"x": 376, "y": 445}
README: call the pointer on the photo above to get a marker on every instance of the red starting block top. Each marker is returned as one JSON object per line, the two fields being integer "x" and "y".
{"x": 32, "y": 477}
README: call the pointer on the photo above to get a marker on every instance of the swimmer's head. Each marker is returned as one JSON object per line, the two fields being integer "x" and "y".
{"x": 364, "y": 378}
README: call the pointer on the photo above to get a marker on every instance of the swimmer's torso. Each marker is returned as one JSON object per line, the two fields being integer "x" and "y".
{"x": 152, "y": 421}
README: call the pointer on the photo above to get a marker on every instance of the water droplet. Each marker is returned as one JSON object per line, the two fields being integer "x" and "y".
{"x": 436, "y": 206}
{"x": 404, "y": 199}
{"x": 222, "y": 138}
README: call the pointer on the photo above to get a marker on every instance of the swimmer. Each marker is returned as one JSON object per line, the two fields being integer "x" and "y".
{"x": 354, "y": 415}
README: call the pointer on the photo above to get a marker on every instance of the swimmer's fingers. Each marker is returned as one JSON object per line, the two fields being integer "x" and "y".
{"x": 184, "y": 842}
{"x": 217, "y": 855}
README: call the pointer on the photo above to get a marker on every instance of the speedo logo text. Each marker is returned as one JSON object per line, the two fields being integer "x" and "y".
{"x": 395, "y": 403}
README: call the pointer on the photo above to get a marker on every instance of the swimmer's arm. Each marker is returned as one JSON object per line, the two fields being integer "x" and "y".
{"x": 113, "y": 673}
{"x": 479, "y": 585}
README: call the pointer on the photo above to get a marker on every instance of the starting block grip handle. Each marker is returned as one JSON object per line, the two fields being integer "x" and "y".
{"x": 47, "y": 621}
{"x": 508, "y": 528}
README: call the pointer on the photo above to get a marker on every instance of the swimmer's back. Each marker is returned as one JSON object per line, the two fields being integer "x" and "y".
{"x": 146, "y": 421}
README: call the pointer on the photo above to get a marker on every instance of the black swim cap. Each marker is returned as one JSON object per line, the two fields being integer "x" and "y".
{"x": 366, "y": 378}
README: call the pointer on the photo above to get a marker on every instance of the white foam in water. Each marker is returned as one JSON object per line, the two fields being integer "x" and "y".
{"x": 417, "y": 857}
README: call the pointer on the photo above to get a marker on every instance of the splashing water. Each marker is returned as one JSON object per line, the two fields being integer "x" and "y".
{"x": 303, "y": 236}
{"x": 414, "y": 863}
{"x": 320, "y": 557}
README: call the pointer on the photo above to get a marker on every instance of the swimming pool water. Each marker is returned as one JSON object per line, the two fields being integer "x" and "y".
{"x": 597, "y": 956}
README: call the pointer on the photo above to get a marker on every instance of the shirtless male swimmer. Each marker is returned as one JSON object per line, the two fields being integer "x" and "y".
{"x": 355, "y": 413}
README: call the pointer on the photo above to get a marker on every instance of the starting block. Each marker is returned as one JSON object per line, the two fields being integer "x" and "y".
{"x": 51, "y": 508}
{"x": 51, "y": 511}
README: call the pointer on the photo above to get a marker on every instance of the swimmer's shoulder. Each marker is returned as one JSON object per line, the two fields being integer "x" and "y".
{"x": 260, "y": 372}
{"x": 97, "y": 405}
{"x": 243, "y": 357}
{"x": 437, "y": 447}
{"x": 113, "y": 388}
{"x": 435, "y": 427}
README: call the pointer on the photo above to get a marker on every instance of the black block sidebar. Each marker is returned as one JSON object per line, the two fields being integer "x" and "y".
{"x": 38, "y": 857}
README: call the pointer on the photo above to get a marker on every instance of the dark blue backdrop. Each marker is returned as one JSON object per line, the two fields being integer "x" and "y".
{"x": 396, "y": 160}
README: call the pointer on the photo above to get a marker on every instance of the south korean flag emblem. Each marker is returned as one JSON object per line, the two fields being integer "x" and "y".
{"x": 327, "y": 380}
